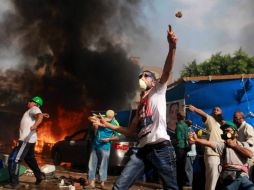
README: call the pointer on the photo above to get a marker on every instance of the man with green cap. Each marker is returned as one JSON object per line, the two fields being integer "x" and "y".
{"x": 234, "y": 156}
{"x": 24, "y": 150}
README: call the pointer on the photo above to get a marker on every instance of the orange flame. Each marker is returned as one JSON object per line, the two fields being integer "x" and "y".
{"x": 55, "y": 129}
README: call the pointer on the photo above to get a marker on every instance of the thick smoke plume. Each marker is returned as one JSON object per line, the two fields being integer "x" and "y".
{"x": 73, "y": 53}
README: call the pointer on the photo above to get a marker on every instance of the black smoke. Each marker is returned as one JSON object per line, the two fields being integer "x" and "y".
{"x": 74, "y": 52}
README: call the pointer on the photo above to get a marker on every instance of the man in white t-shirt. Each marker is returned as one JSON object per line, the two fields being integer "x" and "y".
{"x": 24, "y": 150}
{"x": 150, "y": 125}
{"x": 245, "y": 130}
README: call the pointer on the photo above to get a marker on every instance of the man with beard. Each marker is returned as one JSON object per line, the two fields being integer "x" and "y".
{"x": 155, "y": 148}
{"x": 211, "y": 158}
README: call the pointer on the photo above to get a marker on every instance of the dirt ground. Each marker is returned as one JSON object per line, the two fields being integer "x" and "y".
{"x": 76, "y": 178}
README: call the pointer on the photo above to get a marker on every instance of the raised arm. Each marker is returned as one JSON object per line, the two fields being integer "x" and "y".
{"x": 198, "y": 111}
{"x": 241, "y": 150}
{"x": 172, "y": 40}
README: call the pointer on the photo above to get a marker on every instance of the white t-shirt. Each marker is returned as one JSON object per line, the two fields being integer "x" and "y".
{"x": 157, "y": 104}
{"x": 26, "y": 123}
{"x": 215, "y": 134}
{"x": 246, "y": 133}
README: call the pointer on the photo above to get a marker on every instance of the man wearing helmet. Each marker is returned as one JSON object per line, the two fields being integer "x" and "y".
{"x": 24, "y": 150}
{"x": 150, "y": 126}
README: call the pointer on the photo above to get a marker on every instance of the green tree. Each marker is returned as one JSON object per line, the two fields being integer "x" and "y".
{"x": 218, "y": 64}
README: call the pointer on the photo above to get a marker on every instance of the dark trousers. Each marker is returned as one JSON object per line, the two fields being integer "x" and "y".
{"x": 23, "y": 151}
{"x": 181, "y": 155}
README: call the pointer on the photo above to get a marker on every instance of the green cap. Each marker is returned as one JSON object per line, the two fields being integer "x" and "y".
{"x": 38, "y": 100}
{"x": 229, "y": 124}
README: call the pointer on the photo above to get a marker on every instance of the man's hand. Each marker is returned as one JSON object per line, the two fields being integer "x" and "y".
{"x": 231, "y": 143}
{"x": 33, "y": 128}
{"x": 192, "y": 108}
{"x": 192, "y": 138}
{"x": 98, "y": 120}
{"x": 46, "y": 115}
{"x": 172, "y": 39}
{"x": 105, "y": 140}
{"x": 102, "y": 120}
{"x": 93, "y": 119}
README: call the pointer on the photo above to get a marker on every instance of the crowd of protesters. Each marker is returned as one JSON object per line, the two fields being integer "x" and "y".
{"x": 227, "y": 147}
{"x": 169, "y": 148}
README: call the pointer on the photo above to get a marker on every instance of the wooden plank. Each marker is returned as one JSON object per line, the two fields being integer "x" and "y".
{"x": 219, "y": 77}
{"x": 210, "y": 78}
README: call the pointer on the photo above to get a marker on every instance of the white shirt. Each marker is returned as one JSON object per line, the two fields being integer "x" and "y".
{"x": 26, "y": 123}
{"x": 215, "y": 134}
{"x": 157, "y": 104}
{"x": 246, "y": 133}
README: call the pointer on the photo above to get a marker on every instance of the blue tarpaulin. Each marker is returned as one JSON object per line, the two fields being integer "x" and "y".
{"x": 229, "y": 94}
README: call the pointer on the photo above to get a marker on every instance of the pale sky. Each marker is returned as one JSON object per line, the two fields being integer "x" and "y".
{"x": 207, "y": 27}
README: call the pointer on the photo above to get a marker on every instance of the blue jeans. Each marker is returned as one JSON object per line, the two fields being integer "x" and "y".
{"x": 189, "y": 170}
{"x": 98, "y": 156}
{"x": 242, "y": 182}
{"x": 162, "y": 159}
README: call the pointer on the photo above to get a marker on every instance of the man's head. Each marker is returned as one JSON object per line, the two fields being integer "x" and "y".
{"x": 35, "y": 101}
{"x": 180, "y": 116}
{"x": 229, "y": 130}
{"x": 110, "y": 114}
{"x": 238, "y": 118}
{"x": 147, "y": 80}
{"x": 217, "y": 114}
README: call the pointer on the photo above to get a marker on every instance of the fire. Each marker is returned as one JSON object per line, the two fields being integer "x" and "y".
{"x": 55, "y": 129}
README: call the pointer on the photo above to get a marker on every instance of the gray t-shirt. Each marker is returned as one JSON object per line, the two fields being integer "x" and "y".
{"x": 232, "y": 158}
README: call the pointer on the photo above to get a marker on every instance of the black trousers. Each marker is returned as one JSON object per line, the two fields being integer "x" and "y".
{"x": 23, "y": 151}
{"x": 181, "y": 155}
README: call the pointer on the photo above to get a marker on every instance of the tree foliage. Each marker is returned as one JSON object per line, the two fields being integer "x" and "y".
{"x": 238, "y": 63}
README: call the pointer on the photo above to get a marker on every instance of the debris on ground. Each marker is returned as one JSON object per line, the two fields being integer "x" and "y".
{"x": 29, "y": 172}
{"x": 71, "y": 182}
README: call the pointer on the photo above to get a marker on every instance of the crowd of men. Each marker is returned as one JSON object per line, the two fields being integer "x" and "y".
{"x": 228, "y": 147}
{"x": 225, "y": 157}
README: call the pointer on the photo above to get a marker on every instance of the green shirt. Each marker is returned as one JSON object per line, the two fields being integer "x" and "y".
{"x": 181, "y": 134}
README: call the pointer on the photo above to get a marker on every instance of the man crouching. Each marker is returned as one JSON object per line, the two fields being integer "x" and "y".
{"x": 234, "y": 156}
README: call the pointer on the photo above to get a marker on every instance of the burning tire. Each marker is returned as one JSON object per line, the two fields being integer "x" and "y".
{"x": 56, "y": 158}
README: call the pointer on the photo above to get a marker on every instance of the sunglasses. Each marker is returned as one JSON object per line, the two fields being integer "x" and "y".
{"x": 145, "y": 75}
